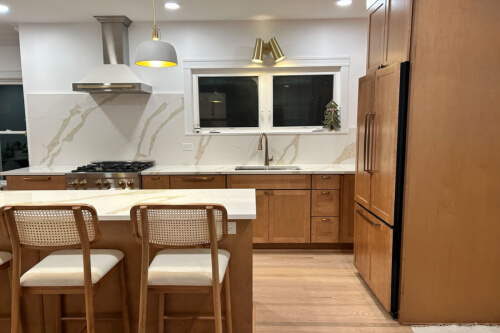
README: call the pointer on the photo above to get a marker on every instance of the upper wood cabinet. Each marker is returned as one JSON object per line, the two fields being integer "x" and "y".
{"x": 36, "y": 182}
{"x": 388, "y": 33}
{"x": 290, "y": 216}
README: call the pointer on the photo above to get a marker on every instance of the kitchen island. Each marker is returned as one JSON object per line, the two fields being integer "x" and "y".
{"x": 113, "y": 210}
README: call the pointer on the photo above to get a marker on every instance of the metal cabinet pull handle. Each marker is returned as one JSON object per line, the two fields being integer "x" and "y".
{"x": 365, "y": 145}
{"x": 325, "y": 192}
{"x": 371, "y": 144}
{"x": 198, "y": 179}
{"x": 326, "y": 177}
{"x": 324, "y": 220}
{"x": 40, "y": 179}
{"x": 155, "y": 178}
{"x": 360, "y": 213}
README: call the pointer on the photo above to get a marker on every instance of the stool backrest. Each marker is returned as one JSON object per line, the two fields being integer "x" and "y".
{"x": 51, "y": 227}
{"x": 180, "y": 226}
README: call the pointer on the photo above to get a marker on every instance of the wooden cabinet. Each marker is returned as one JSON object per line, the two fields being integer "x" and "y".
{"x": 325, "y": 230}
{"x": 373, "y": 254}
{"x": 36, "y": 182}
{"x": 325, "y": 203}
{"x": 347, "y": 209}
{"x": 327, "y": 182}
{"x": 261, "y": 224}
{"x": 155, "y": 182}
{"x": 197, "y": 181}
{"x": 270, "y": 182}
{"x": 388, "y": 33}
{"x": 289, "y": 216}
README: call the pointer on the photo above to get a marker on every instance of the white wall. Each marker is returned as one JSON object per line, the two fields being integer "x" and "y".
{"x": 56, "y": 55}
{"x": 10, "y": 62}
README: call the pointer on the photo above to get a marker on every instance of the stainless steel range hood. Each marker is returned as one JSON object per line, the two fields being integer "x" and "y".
{"x": 115, "y": 76}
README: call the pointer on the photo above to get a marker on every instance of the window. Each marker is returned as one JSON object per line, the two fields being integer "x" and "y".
{"x": 13, "y": 142}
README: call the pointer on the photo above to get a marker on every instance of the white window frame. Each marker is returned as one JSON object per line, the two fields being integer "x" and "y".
{"x": 193, "y": 69}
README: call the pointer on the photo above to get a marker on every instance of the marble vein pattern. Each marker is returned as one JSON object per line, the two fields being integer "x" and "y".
{"x": 74, "y": 129}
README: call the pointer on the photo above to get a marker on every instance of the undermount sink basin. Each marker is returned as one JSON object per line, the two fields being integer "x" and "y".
{"x": 270, "y": 167}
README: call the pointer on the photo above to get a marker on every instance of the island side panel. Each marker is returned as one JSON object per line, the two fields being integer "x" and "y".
{"x": 118, "y": 235}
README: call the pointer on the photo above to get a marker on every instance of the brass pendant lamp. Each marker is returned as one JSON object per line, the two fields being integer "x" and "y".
{"x": 155, "y": 53}
{"x": 262, "y": 48}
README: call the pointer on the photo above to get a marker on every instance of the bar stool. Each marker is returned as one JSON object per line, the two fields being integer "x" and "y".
{"x": 191, "y": 263}
{"x": 73, "y": 269}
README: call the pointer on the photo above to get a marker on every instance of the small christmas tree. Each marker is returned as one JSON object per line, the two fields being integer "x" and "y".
{"x": 332, "y": 116}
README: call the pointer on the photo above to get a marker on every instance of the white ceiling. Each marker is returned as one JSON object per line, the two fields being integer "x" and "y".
{"x": 44, "y": 11}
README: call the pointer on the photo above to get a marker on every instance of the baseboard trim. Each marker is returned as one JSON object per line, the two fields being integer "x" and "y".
{"x": 312, "y": 246}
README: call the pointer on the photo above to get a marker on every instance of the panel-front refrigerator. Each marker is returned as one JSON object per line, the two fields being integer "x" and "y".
{"x": 382, "y": 110}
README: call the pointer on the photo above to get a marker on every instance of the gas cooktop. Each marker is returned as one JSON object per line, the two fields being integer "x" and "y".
{"x": 115, "y": 166}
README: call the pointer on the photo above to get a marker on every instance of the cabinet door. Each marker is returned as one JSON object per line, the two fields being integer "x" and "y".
{"x": 362, "y": 230}
{"x": 36, "y": 183}
{"x": 385, "y": 130}
{"x": 289, "y": 216}
{"x": 197, "y": 181}
{"x": 325, "y": 229}
{"x": 397, "y": 29}
{"x": 347, "y": 209}
{"x": 261, "y": 223}
{"x": 325, "y": 203}
{"x": 365, "y": 105}
{"x": 381, "y": 262}
{"x": 376, "y": 37}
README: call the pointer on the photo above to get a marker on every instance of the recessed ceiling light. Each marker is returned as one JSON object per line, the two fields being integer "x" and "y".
{"x": 172, "y": 5}
{"x": 4, "y": 9}
{"x": 344, "y": 2}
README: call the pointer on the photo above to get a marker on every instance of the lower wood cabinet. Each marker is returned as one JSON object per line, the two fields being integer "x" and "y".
{"x": 156, "y": 182}
{"x": 289, "y": 216}
{"x": 197, "y": 181}
{"x": 36, "y": 183}
{"x": 373, "y": 254}
{"x": 261, "y": 224}
{"x": 347, "y": 209}
{"x": 324, "y": 229}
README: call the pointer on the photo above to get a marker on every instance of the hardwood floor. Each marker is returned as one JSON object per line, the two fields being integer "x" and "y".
{"x": 315, "y": 291}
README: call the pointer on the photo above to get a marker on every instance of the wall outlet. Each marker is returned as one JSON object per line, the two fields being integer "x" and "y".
{"x": 187, "y": 146}
{"x": 231, "y": 228}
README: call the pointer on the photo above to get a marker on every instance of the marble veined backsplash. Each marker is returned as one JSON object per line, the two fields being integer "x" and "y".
{"x": 74, "y": 129}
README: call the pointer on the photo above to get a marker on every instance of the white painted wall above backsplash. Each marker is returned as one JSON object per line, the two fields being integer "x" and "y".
{"x": 66, "y": 128}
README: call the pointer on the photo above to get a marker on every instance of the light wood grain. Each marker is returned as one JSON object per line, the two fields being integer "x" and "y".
{"x": 270, "y": 182}
{"x": 197, "y": 181}
{"x": 261, "y": 224}
{"x": 451, "y": 234}
{"x": 36, "y": 182}
{"x": 327, "y": 182}
{"x": 156, "y": 182}
{"x": 289, "y": 216}
{"x": 315, "y": 291}
{"x": 397, "y": 29}
{"x": 376, "y": 37}
{"x": 347, "y": 209}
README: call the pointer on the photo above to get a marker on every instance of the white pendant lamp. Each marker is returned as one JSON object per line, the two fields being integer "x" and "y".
{"x": 155, "y": 53}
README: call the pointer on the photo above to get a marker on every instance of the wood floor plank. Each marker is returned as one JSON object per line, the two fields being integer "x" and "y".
{"x": 315, "y": 291}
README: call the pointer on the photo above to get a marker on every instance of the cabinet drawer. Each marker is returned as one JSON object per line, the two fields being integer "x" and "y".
{"x": 325, "y": 203}
{"x": 270, "y": 182}
{"x": 325, "y": 229}
{"x": 328, "y": 182}
{"x": 36, "y": 183}
{"x": 155, "y": 182}
{"x": 197, "y": 181}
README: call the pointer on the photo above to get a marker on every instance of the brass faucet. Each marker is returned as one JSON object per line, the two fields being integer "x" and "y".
{"x": 266, "y": 162}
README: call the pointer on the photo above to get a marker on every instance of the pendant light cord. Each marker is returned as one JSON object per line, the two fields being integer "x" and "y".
{"x": 156, "y": 31}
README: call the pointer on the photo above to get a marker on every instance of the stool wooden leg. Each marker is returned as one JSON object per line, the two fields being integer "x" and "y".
{"x": 58, "y": 313}
{"x": 15, "y": 317}
{"x": 217, "y": 307}
{"x": 229, "y": 315}
{"x": 161, "y": 313}
{"x": 123, "y": 290}
{"x": 89, "y": 308}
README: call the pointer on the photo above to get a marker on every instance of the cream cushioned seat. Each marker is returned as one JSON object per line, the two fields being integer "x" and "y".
{"x": 4, "y": 257}
{"x": 65, "y": 268}
{"x": 185, "y": 267}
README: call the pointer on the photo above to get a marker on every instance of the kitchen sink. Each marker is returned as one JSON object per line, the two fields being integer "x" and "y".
{"x": 269, "y": 167}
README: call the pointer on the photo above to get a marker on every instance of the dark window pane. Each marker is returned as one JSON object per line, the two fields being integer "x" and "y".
{"x": 14, "y": 152}
{"x": 229, "y": 101}
{"x": 12, "y": 108}
{"x": 300, "y": 100}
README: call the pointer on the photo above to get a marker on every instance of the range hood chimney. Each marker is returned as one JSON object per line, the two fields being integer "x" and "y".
{"x": 115, "y": 76}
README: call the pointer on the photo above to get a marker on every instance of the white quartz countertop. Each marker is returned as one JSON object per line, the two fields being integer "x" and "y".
{"x": 230, "y": 169}
{"x": 39, "y": 171}
{"x": 115, "y": 205}
{"x": 196, "y": 169}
